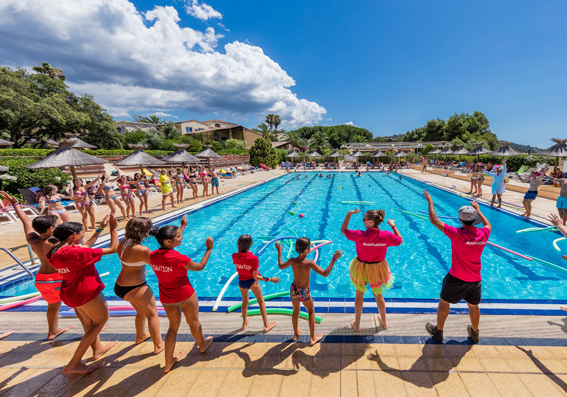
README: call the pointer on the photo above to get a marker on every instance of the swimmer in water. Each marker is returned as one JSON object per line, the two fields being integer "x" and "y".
{"x": 359, "y": 174}
{"x": 320, "y": 175}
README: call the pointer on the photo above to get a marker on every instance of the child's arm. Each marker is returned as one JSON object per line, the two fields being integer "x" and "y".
{"x": 31, "y": 235}
{"x": 325, "y": 273}
{"x": 432, "y": 215}
{"x": 256, "y": 276}
{"x": 281, "y": 264}
{"x": 90, "y": 242}
{"x": 198, "y": 266}
{"x": 344, "y": 226}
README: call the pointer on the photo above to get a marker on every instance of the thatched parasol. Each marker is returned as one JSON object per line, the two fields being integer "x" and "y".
{"x": 181, "y": 156}
{"x": 66, "y": 157}
{"x": 139, "y": 158}
{"x": 505, "y": 151}
{"x": 3, "y": 168}
{"x": 313, "y": 154}
{"x": 436, "y": 151}
{"x": 72, "y": 140}
{"x": 52, "y": 143}
{"x": 335, "y": 154}
{"x": 478, "y": 150}
{"x": 378, "y": 153}
{"x": 446, "y": 152}
{"x": 558, "y": 150}
{"x": 5, "y": 143}
{"x": 400, "y": 153}
{"x": 208, "y": 153}
{"x": 460, "y": 151}
{"x": 292, "y": 154}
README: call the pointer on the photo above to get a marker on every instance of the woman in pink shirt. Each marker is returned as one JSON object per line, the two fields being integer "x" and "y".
{"x": 370, "y": 265}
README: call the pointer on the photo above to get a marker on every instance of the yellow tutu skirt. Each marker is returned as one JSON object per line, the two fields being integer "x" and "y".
{"x": 377, "y": 275}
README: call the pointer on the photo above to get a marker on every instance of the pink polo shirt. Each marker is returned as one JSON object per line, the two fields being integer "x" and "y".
{"x": 467, "y": 244}
{"x": 372, "y": 244}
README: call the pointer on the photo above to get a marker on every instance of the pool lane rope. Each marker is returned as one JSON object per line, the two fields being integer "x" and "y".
{"x": 411, "y": 213}
{"x": 510, "y": 251}
{"x": 223, "y": 290}
{"x": 538, "y": 229}
{"x": 555, "y": 244}
{"x": 286, "y": 312}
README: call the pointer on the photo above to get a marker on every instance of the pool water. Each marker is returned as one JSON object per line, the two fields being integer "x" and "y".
{"x": 418, "y": 265}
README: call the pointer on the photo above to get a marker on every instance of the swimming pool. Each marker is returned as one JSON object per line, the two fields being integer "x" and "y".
{"x": 418, "y": 265}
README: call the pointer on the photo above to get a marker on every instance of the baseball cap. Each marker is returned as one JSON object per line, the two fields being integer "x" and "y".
{"x": 468, "y": 213}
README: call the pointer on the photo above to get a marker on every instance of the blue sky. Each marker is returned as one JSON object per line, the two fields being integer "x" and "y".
{"x": 385, "y": 66}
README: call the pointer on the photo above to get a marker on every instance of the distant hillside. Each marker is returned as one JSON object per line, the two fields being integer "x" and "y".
{"x": 524, "y": 148}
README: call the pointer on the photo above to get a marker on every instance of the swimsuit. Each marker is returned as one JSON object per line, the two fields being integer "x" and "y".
{"x": 120, "y": 290}
{"x": 54, "y": 201}
{"x": 83, "y": 203}
{"x": 300, "y": 294}
{"x": 58, "y": 212}
{"x": 531, "y": 195}
{"x": 49, "y": 285}
{"x": 246, "y": 284}
{"x": 215, "y": 182}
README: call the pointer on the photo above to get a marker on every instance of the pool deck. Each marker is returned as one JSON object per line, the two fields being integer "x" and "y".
{"x": 519, "y": 355}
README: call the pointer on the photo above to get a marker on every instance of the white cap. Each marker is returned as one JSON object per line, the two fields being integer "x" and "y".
{"x": 468, "y": 213}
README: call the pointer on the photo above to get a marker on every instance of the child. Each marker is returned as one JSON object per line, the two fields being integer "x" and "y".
{"x": 248, "y": 275}
{"x": 166, "y": 189}
{"x": 176, "y": 293}
{"x": 299, "y": 290}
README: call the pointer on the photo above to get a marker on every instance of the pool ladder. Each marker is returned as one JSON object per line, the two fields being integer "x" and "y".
{"x": 19, "y": 262}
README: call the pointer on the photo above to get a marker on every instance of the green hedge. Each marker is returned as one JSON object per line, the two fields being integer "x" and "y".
{"x": 45, "y": 152}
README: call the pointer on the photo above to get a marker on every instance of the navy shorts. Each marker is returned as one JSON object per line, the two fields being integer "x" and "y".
{"x": 246, "y": 284}
{"x": 531, "y": 195}
{"x": 455, "y": 289}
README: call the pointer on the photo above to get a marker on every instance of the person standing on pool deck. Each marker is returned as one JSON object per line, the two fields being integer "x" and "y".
{"x": 562, "y": 200}
{"x": 214, "y": 181}
{"x": 531, "y": 194}
{"x": 299, "y": 291}
{"x": 166, "y": 189}
{"x": 82, "y": 287}
{"x": 370, "y": 265}
{"x": 131, "y": 284}
{"x": 247, "y": 265}
{"x": 498, "y": 185}
{"x": 463, "y": 280}
{"x": 176, "y": 293}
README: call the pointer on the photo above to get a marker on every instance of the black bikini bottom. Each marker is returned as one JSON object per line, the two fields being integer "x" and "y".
{"x": 121, "y": 291}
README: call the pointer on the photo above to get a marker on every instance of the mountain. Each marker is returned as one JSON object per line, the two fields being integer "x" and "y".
{"x": 524, "y": 148}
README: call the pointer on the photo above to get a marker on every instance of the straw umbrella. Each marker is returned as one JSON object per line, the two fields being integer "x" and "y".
{"x": 460, "y": 151}
{"x": 505, "y": 151}
{"x": 313, "y": 154}
{"x": 5, "y": 143}
{"x": 208, "y": 153}
{"x": 335, "y": 154}
{"x": 139, "y": 158}
{"x": 72, "y": 140}
{"x": 558, "y": 150}
{"x": 291, "y": 155}
{"x": 66, "y": 156}
{"x": 478, "y": 150}
{"x": 446, "y": 152}
{"x": 181, "y": 156}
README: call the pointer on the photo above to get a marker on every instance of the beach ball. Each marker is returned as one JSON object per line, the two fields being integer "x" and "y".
{"x": 292, "y": 213}
{"x": 294, "y": 203}
{"x": 301, "y": 215}
{"x": 340, "y": 187}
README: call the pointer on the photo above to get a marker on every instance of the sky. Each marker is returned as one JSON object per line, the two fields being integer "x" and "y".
{"x": 388, "y": 67}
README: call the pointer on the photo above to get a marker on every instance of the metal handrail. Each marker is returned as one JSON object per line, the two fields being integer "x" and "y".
{"x": 19, "y": 262}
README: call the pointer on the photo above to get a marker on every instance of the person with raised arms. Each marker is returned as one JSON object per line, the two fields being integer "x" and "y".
{"x": 370, "y": 267}
{"x": 535, "y": 181}
{"x": 464, "y": 280}
{"x": 498, "y": 184}
{"x": 176, "y": 293}
{"x": 82, "y": 287}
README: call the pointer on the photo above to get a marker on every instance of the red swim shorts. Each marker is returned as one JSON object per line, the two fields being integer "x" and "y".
{"x": 49, "y": 286}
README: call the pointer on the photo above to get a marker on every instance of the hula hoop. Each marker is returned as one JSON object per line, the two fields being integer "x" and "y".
{"x": 287, "y": 312}
{"x": 537, "y": 229}
{"x": 411, "y": 213}
{"x": 549, "y": 264}
{"x": 19, "y": 303}
{"x": 254, "y": 301}
{"x": 512, "y": 252}
{"x": 18, "y": 298}
{"x": 273, "y": 241}
{"x": 217, "y": 302}
{"x": 442, "y": 217}
{"x": 555, "y": 244}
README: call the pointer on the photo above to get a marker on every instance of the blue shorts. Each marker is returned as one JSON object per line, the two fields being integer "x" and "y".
{"x": 246, "y": 284}
{"x": 562, "y": 202}
{"x": 215, "y": 182}
{"x": 531, "y": 195}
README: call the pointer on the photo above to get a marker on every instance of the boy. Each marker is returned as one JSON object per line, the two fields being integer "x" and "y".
{"x": 246, "y": 264}
{"x": 214, "y": 181}
{"x": 299, "y": 290}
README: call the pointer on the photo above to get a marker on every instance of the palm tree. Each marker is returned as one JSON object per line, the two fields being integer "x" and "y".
{"x": 150, "y": 119}
{"x": 276, "y": 121}
{"x": 263, "y": 129}
{"x": 47, "y": 69}
{"x": 270, "y": 120}
{"x": 321, "y": 140}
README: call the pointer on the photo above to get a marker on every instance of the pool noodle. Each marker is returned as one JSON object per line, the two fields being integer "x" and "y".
{"x": 549, "y": 264}
{"x": 320, "y": 245}
{"x": 515, "y": 205}
{"x": 254, "y": 301}
{"x": 287, "y": 312}
{"x": 411, "y": 213}
{"x": 104, "y": 274}
{"x": 290, "y": 245}
{"x": 537, "y": 229}
{"x": 442, "y": 217}
{"x": 555, "y": 243}
{"x": 19, "y": 303}
{"x": 273, "y": 241}
{"x": 113, "y": 313}
{"x": 512, "y": 252}
{"x": 115, "y": 308}
{"x": 18, "y": 298}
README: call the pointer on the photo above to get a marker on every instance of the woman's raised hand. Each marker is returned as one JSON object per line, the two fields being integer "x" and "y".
{"x": 278, "y": 246}
{"x": 113, "y": 222}
{"x": 184, "y": 221}
{"x": 392, "y": 223}
{"x": 354, "y": 211}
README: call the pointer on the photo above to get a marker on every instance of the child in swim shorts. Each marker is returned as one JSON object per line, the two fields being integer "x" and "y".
{"x": 246, "y": 264}
{"x": 299, "y": 291}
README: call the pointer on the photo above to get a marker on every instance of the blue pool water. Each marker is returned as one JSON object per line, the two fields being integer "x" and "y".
{"x": 418, "y": 265}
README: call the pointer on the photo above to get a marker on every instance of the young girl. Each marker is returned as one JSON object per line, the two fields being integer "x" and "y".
{"x": 142, "y": 192}
{"x": 84, "y": 203}
{"x": 166, "y": 189}
{"x": 52, "y": 200}
{"x": 480, "y": 181}
{"x": 175, "y": 291}
{"x": 193, "y": 182}
{"x": 179, "y": 185}
{"x": 246, "y": 264}
{"x": 112, "y": 199}
{"x": 126, "y": 193}
{"x": 370, "y": 266}
{"x": 131, "y": 283}
{"x": 204, "y": 180}
{"x": 474, "y": 178}
{"x": 82, "y": 287}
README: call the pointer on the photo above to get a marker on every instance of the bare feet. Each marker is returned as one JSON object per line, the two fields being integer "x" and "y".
{"x": 245, "y": 324}
{"x": 79, "y": 369}
{"x": 384, "y": 323}
{"x": 5, "y": 334}
{"x": 316, "y": 339}
{"x": 159, "y": 348}
{"x": 169, "y": 366}
{"x": 143, "y": 338}
{"x": 99, "y": 354}
{"x": 356, "y": 329}
{"x": 269, "y": 327}
{"x": 58, "y": 332}
{"x": 208, "y": 343}
{"x": 295, "y": 336}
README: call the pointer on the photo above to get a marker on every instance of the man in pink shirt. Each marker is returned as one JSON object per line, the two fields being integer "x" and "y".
{"x": 463, "y": 280}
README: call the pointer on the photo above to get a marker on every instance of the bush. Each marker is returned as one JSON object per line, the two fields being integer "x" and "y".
{"x": 136, "y": 136}
{"x": 235, "y": 144}
{"x": 215, "y": 146}
{"x": 194, "y": 145}
{"x": 262, "y": 152}
{"x": 154, "y": 139}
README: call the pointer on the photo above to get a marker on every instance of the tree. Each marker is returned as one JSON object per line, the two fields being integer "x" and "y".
{"x": 136, "y": 136}
{"x": 276, "y": 120}
{"x": 170, "y": 131}
{"x": 215, "y": 146}
{"x": 262, "y": 152}
{"x": 263, "y": 129}
{"x": 427, "y": 149}
{"x": 154, "y": 139}
{"x": 150, "y": 119}
{"x": 270, "y": 120}
{"x": 47, "y": 69}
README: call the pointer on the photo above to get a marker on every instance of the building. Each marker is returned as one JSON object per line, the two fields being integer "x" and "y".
{"x": 406, "y": 147}
{"x": 285, "y": 145}
{"x": 128, "y": 126}
{"x": 218, "y": 130}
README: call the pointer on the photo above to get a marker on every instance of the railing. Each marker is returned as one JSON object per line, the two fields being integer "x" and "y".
{"x": 19, "y": 262}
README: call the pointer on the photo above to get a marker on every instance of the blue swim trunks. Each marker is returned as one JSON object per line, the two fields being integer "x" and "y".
{"x": 562, "y": 202}
{"x": 531, "y": 195}
{"x": 215, "y": 182}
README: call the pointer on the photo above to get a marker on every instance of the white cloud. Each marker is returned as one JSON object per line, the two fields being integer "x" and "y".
{"x": 134, "y": 62}
{"x": 224, "y": 27}
{"x": 162, "y": 114}
{"x": 350, "y": 123}
{"x": 202, "y": 11}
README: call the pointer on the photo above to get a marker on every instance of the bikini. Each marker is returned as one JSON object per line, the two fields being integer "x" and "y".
{"x": 125, "y": 196}
{"x": 55, "y": 201}
{"x": 142, "y": 192}
{"x": 83, "y": 203}
{"x": 179, "y": 176}
{"x": 119, "y": 290}
{"x": 106, "y": 187}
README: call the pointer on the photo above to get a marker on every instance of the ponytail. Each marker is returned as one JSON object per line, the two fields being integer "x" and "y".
{"x": 62, "y": 232}
{"x": 377, "y": 216}
{"x": 164, "y": 233}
